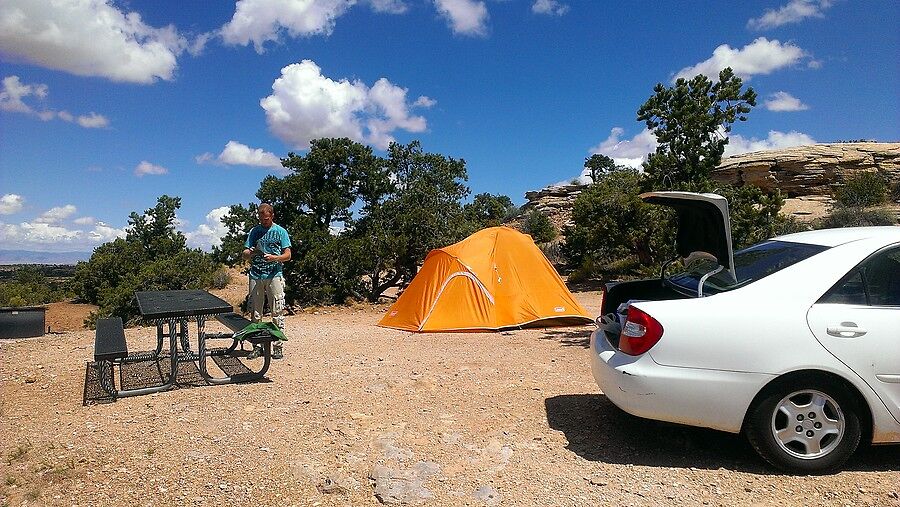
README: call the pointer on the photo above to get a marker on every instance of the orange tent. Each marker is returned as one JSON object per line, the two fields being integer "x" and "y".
{"x": 494, "y": 279}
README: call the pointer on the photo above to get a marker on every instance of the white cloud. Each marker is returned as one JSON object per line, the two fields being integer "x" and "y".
{"x": 307, "y": 105}
{"x": 236, "y": 153}
{"x": 145, "y": 168}
{"x": 794, "y": 12}
{"x": 56, "y": 215}
{"x": 14, "y": 91}
{"x": 389, "y": 6}
{"x": 549, "y": 7}
{"x": 47, "y": 233}
{"x": 425, "y": 102}
{"x": 630, "y": 152}
{"x": 93, "y": 121}
{"x": 259, "y": 21}
{"x": 11, "y": 203}
{"x": 761, "y": 56}
{"x": 209, "y": 234}
{"x": 102, "y": 233}
{"x": 784, "y": 101}
{"x": 89, "y": 38}
{"x": 466, "y": 17}
{"x": 39, "y": 232}
{"x": 738, "y": 144}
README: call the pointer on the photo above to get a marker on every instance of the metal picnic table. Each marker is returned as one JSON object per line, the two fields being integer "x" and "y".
{"x": 171, "y": 312}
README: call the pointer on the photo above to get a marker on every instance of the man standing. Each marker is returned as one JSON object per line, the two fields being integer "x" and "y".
{"x": 268, "y": 247}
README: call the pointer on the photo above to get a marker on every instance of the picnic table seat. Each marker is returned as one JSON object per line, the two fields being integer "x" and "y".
{"x": 109, "y": 341}
{"x": 237, "y": 322}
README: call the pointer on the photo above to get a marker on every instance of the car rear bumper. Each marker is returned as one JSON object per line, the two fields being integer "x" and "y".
{"x": 697, "y": 397}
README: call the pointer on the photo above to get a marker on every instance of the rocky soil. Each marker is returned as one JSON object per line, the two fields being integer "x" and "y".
{"x": 360, "y": 415}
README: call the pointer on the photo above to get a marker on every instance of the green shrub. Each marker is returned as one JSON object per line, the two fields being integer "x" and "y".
{"x": 754, "y": 214}
{"x": 29, "y": 286}
{"x": 220, "y": 278}
{"x": 614, "y": 231}
{"x": 539, "y": 227}
{"x": 861, "y": 190}
{"x": 856, "y": 217}
{"x": 552, "y": 250}
{"x": 152, "y": 256}
{"x": 789, "y": 225}
{"x": 895, "y": 192}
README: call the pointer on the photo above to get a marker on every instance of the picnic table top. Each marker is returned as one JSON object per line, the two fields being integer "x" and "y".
{"x": 161, "y": 304}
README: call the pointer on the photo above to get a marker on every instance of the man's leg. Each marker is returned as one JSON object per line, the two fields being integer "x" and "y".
{"x": 276, "y": 299}
{"x": 257, "y": 299}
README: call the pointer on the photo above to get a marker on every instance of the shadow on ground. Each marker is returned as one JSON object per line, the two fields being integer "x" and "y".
{"x": 597, "y": 430}
{"x": 155, "y": 372}
{"x": 573, "y": 337}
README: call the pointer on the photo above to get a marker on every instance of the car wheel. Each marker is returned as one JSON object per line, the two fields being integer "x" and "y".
{"x": 809, "y": 429}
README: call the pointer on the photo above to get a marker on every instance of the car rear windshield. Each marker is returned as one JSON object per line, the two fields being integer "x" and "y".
{"x": 750, "y": 264}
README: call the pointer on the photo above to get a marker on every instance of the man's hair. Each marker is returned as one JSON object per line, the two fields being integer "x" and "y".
{"x": 266, "y": 207}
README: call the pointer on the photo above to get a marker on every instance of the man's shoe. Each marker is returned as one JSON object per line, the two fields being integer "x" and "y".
{"x": 256, "y": 352}
{"x": 277, "y": 351}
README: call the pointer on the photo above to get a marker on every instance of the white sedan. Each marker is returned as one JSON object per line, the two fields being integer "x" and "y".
{"x": 794, "y": 341}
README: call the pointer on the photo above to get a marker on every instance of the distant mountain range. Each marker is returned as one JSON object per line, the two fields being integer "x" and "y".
{"x": 29, "y": 257}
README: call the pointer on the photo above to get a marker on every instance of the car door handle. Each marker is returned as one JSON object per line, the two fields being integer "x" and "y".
{"x": 846, "y": 330}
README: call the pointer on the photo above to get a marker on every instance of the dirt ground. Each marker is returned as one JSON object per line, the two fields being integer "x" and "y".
{"x": 359, "y": 415}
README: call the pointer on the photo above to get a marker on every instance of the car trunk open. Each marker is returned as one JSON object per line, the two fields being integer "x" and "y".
{"x": 703, "y": 226}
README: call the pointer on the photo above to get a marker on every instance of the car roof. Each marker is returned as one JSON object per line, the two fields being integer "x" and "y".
{"x": 834, "y": 237}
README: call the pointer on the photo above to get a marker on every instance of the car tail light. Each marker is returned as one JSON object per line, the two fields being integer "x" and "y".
{"x": 640, "y": 332}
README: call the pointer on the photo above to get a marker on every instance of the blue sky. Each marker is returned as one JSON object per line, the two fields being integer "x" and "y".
{"x": 106, "y": 105}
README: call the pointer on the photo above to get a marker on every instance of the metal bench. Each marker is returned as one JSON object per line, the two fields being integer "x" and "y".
{"x": 109, "y": 342}
{"x": 233, "y": 321}
{"x": 109, "y": 347}
{"x": 236, "y": 322}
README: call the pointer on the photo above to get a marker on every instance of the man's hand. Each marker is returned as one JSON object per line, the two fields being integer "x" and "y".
{"x": 270, "y": 257}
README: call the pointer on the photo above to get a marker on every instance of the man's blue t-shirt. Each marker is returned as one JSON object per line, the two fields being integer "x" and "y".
{"x": 268, "y": 241}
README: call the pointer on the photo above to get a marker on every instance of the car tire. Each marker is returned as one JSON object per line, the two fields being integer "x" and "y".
{"x": 808, "y": 427}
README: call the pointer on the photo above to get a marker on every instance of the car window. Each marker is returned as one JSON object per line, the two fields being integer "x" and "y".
{"x": 751, "y": 264}
{"x": 849, "y": 291}
{"x": 875, "y": 282}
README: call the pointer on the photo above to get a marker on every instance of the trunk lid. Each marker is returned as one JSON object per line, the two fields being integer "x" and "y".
{"x": 703, "y": 224}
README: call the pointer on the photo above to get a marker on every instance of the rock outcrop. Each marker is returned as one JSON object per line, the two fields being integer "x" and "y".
{"x": 555, "y": 202}
{"x": 806, "y": 176}
{"x": 810, "y": 170}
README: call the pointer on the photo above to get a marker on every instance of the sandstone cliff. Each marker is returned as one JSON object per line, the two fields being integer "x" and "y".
{"x": 810, "y": 170}
{"x": 806, "y": 176}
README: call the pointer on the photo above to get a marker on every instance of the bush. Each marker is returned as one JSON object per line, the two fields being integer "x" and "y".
{"x": 539, "y": 227}
{"x": 30, "y": 287}
{"x": 789, "y": 225}
{"x": 856, "y": 217}
{"x": 220, "y": 278}
{"x": 754, "y": 214}
{"x": 152, "y": 256}
{"x": 615, "y": 232}
{"x": 895, "y": 192}
{"x": 861, "y": 190}
{"x": 552, "y": 250}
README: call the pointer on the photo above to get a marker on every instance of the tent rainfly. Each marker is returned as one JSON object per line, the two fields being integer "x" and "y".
{"x": 494, "y": 279}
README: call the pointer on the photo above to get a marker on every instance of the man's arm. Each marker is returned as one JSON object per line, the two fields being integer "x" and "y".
{"x": 284, "y": 257}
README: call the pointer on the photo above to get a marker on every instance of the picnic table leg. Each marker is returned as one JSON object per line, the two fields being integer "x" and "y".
{"x": 107, "y": 377}
{"x": 159, "y": 338}
{"x": 185, "y": 339}
{"x": 173, "y": 346}
{"x": 203, "y": 354}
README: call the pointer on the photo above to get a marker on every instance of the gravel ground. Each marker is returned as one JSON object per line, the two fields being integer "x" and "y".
{"x": 359, "y": 415}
